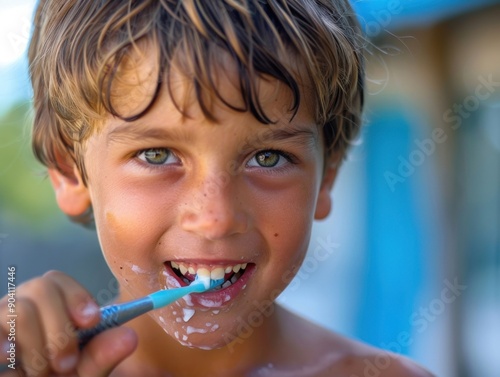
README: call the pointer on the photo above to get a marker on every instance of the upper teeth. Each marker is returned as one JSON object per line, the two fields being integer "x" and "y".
{"x": 215, "y": 273}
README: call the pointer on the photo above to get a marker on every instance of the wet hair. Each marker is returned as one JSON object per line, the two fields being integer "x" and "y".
{"x": 78, "y": 47}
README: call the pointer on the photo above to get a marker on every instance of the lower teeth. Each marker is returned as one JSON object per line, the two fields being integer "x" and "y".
{"x": 226, "y": 284}
{"x": 230, "y": 282}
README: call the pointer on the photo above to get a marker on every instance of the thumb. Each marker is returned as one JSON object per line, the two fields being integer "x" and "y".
{"x": 104, "y": 352}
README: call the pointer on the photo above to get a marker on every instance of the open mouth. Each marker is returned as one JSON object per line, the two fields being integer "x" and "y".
{"x": 230, "y": 273}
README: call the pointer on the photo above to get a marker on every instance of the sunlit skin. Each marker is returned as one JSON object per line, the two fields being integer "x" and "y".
{"x": 170, "y": 187}
{"x": 210, "y": 193}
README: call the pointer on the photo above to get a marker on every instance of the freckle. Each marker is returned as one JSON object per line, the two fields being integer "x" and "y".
{"x": 275, "y": 234}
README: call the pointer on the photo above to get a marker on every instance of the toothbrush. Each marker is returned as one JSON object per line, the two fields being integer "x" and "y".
{"x": 116, "y": 315}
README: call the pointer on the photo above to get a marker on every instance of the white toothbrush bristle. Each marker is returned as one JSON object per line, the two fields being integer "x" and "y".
{"x": 205, "y": 279}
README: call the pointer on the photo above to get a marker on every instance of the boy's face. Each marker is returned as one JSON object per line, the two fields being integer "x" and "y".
{"x": 171, "y": 193}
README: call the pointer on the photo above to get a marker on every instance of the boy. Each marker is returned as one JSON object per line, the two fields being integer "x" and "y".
{"x": 199, "y": 135}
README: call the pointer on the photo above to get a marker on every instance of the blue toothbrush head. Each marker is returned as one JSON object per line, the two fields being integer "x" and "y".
{"x": 200, "y": 284}
{"x": 207, "y": 282}
{"x": 216, "y": 283}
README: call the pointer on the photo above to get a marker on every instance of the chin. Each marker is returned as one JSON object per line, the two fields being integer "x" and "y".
{"x": 203, "y": 332}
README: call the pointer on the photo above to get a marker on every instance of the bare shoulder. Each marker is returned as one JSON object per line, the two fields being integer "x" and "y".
{"x": 341, "y": 356}
{"x": 359, "y": 359}
{"x": 378, "y": 363}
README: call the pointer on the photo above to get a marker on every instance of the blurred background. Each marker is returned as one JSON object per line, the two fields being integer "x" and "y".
{"x": 411, "y": 252}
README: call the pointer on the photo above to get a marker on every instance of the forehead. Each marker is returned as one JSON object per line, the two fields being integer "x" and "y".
{"x": 141, "y": 79}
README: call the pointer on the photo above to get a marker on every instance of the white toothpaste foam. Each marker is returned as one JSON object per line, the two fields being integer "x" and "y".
{"x": 190, "y": 330}
{"x": 138, "y": 270}
{"x": 188, "y": 314}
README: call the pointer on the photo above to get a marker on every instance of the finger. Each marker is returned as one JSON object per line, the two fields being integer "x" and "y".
{"x": 106, "y": 351}
{"x": 82, "y": 308}
{"x": 8, "y": 354}
{"x": 56, "y": 295}
{"x": 48, "y": 309}
{"x": 30, "y": 339}
{"x": 61, "y": 348}
{"x": 4, "y": 348}
{"x": 58, "y": 300}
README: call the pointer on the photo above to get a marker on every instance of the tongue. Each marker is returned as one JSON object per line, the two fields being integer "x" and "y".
{"x": 189, "y": 276}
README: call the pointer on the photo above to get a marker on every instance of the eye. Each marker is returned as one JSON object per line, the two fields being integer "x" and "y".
{"x": 157, "y": 156}
{"x": 268, "y": 159}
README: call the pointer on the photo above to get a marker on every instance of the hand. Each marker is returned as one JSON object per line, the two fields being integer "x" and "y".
{"x": 48, "y": 310}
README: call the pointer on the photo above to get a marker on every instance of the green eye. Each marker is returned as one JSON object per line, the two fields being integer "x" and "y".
{"x": 271, "y": 159}
{"x": 267, "y": 159}
{"x": 155, "y": 156}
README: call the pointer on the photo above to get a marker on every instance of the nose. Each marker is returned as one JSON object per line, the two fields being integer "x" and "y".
{"x": 213, "y": 211}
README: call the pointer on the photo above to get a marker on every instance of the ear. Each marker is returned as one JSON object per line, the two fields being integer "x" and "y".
{"x": 324, "y": 201}
{"x": 71, "y": 193}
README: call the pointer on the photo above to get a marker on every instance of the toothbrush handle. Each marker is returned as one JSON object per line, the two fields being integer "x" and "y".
{"x": 116, "y": 315}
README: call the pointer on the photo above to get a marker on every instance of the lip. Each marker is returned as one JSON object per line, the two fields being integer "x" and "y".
{"x": 221, "y": 297}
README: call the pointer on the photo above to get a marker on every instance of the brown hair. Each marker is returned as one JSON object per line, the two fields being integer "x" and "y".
{"x": 77, "y": 48}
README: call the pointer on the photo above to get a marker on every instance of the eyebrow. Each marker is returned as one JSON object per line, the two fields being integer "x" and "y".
{"x": 303, "y": 134}
{"x": 134, "y": 131}
{"x": 274, "y": 132}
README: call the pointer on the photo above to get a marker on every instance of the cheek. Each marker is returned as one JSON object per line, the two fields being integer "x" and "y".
{"x": 121, "y": 233}
{"x": 128, "y": 243}
{"x": 288, "y": 231}
{"x": 120, "y": 217}
{"x": 132, "y": 216}
{"x": 290, "y": 214}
